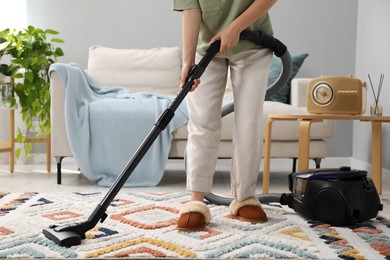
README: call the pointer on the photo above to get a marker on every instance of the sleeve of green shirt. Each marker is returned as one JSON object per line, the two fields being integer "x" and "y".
{"x": 180, "y": 5}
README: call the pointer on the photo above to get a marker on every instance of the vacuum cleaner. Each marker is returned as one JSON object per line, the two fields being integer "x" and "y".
{"x": 337, "y": 196}
{"x": 72, "y": 234}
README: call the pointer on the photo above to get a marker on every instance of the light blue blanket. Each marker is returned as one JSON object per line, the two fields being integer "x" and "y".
{"x": 105, "y": 126}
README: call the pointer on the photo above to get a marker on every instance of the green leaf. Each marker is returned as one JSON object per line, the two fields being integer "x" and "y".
{"x": 28, "y": 148}
{"x": 58, "y": 52}
{"x": 29, "y": 76}
{"x": 51, "y": 31}
{"x": 39, "y": 32}
{"x": 30, "y": 28}
{"x": 24, "y": 63}
{"x": 4, "y": 33}
{"x": 13, "y": 102}
{"x": 19, "y": 137}
{"x": 18, "y": 152}
{"x": 18, "y": 75}
{"x": 57, "y": 40}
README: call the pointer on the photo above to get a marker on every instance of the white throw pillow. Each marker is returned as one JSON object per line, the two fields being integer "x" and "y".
{"x": 154, "y": 70}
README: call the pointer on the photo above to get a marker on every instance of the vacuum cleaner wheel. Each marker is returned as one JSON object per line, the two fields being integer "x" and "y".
{"x": 330, "y": 207}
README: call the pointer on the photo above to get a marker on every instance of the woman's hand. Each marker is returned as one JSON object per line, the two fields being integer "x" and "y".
{"x": 229, "y": 37}
{"x": 231, "y": 34}
{"x": 184, "y": 76}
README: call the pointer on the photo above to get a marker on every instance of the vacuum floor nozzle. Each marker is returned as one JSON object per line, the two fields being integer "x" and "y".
{"x": 66, "y": 238}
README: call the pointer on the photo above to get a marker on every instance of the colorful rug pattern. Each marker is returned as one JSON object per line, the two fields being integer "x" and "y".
{"x": 143, "y": 225}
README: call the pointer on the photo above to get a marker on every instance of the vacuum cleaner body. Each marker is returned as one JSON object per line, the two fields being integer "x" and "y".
{"x": 338, "y": 197}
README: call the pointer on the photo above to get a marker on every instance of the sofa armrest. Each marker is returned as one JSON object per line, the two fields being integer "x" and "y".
{"x": 298, "y": 92}
{"x": 59, "y": 140}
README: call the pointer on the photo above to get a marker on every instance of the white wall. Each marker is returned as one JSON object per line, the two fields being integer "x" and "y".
{"x": 327, "y": 31}
{"x": 118, "y": 24}
{"x": 324, "y": 29}
{"x": 13, "y": 14}
{"x": 373, "y": 57}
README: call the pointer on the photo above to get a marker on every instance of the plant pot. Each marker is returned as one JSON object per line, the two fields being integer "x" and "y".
{"x": 7, "y": 93}
{"x": 2, "y": 77}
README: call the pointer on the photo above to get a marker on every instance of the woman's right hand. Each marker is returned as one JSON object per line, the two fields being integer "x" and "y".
{"x": 184, "y": 76}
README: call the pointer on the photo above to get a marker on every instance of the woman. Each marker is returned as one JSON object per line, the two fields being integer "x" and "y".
{"x": 204, "y": 22}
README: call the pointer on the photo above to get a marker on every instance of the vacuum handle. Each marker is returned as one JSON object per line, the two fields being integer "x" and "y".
{"x": 195, "y": 73}
{"x": 199, "y": 68}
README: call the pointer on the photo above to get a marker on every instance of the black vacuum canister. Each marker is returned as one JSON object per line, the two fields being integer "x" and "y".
{"x": 338, "y": 197}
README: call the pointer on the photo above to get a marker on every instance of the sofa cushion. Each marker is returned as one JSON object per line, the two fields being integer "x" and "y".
{"x": 154, "y": 70}
{"x": 283, "y": 94}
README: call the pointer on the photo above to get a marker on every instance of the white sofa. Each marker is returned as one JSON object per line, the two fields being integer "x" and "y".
{"x": 158, "y": 70}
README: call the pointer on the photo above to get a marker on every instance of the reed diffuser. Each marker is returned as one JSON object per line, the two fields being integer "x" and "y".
{"x": 376, "y": 109}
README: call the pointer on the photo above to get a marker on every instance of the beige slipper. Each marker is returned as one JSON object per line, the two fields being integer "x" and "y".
{"x": 249, "y": 210}
{"x": 194, "y": 216}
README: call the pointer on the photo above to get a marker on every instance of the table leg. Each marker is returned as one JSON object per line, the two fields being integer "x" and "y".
{"x": 48, "y": 153}
{"x": 12, "y": 141}
{"x": 376, "y": 155}
{"x": 304, "y": 145}
{"x": 267, "y": 154}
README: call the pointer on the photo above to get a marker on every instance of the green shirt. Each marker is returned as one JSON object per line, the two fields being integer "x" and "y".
{"x": 217, "y": 15}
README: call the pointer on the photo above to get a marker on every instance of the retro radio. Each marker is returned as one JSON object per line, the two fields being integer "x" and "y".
{"x": 336, "y": 95}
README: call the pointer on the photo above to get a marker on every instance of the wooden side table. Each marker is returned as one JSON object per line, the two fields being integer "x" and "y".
{"x": 304, "y": 141}
{"x": 9, "y": 146}
{"x": 46, "y": 140}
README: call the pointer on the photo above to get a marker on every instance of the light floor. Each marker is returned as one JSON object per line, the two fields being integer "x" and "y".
{"x": 34, "y": 177}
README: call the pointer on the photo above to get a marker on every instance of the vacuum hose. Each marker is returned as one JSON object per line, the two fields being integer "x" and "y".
{"x": 263, "y": 198}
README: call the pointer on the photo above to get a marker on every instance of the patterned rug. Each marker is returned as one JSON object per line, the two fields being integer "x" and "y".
{"x": 142, "y": 225}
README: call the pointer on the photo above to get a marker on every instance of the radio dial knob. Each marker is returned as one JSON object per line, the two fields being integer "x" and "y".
{"x": 323, "y": 94}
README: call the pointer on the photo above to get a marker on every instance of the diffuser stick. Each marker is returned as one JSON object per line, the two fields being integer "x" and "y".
{"x": 380, "y": 86}
{"x": 372, "y": 88}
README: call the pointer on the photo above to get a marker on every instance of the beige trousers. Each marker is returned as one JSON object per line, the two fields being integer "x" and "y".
{"x": 249, "y": 73}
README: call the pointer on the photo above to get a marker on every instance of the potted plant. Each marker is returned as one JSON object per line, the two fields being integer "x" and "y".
{"x": 3, "y": 73}
{"x": 6, "y": 88}
{"x": 7, "y": 94}
{"x": 31, "y": 52}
